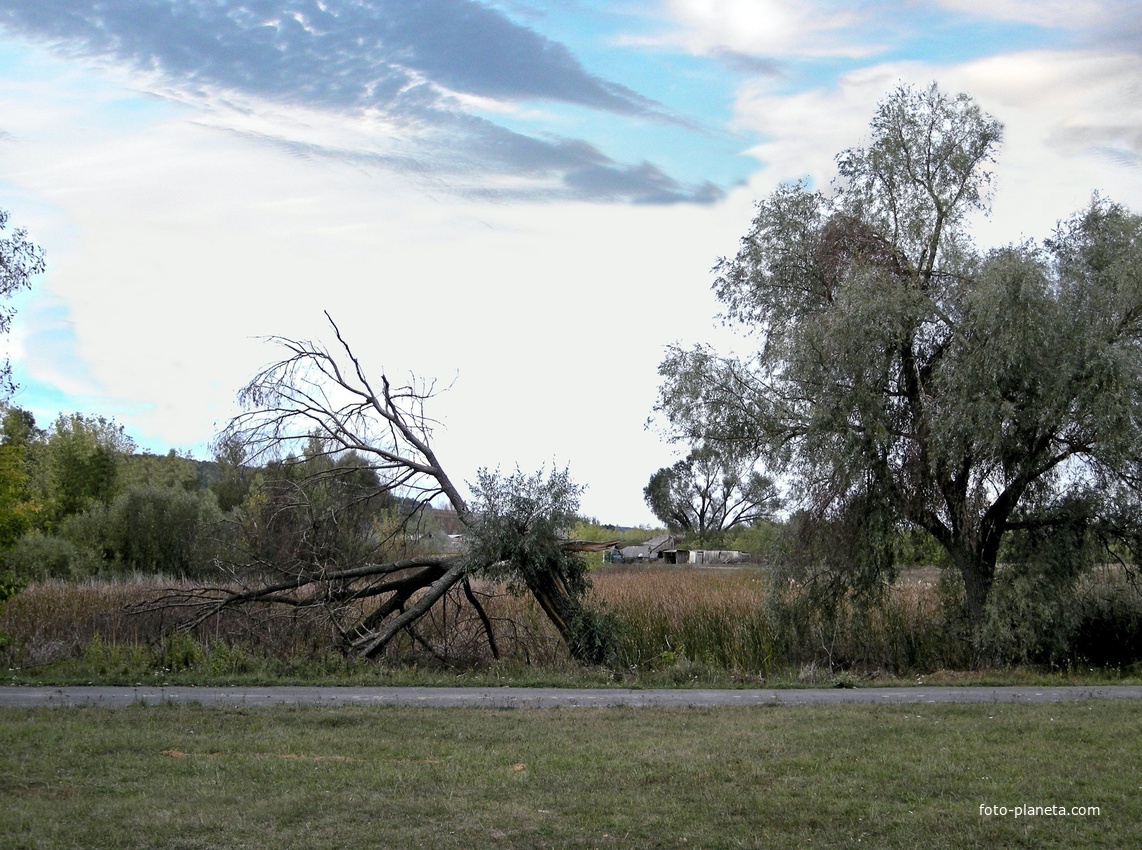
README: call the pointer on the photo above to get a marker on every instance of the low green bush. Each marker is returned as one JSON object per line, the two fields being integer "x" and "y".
{"x": 36, "y": 557}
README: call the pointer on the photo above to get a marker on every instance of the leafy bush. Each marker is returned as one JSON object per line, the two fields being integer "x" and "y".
{"x": 37, "y": 556}
{"x": 148, "y": 528}
{"x": 520, "y": 537}
{"x": 1027, "y": 621}
{"x": 596, "y": 635}
{"x": 161, "y": 529}
{"x": 1108, "y": 628}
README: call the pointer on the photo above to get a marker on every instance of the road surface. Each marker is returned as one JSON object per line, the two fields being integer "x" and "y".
{"x": 16, "y": 696}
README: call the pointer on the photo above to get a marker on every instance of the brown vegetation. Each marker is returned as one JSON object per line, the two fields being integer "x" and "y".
{"x": 681, "y": 622}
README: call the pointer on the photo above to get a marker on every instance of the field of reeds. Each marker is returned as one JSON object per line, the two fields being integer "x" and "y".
{"x": 672, "y": 626}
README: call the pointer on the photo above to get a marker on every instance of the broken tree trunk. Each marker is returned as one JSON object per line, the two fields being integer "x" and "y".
{"x": 314, "y": 424}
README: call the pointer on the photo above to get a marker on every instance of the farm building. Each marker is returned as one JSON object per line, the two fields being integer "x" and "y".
{"x": 703, "y": 556}
{"x": 651, "y": 550}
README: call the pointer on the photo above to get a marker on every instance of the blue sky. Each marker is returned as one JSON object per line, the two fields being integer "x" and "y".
{"x": 521, "y": 199}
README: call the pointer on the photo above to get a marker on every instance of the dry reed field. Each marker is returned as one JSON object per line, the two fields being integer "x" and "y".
{"x": 681, "y": 624}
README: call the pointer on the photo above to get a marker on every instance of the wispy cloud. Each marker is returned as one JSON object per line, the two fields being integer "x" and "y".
{"x": 749, "y": 34}
{"x": 411, "y": 61}
{"x": 1073, "y": 124}
{"x": 1051, "y": 13}
{"x": 333, "y": 53}
{"x": 1091, "y": 23}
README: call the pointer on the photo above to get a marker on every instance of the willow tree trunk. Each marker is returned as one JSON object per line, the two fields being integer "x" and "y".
{"x": 564, "y": 608}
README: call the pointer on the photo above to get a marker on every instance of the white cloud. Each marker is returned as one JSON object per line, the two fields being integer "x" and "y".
{"x": 177, "y": 231}
{"x": 1073, "y": 125}
{"x": 771, "y": 28}
{"x": 804, "y": 131}
{"x": 188, "y": 239}
{"x": 1051, "y": 13}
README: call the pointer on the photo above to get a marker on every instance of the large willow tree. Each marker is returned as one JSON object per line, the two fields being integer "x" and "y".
{"x": 904, "y": 379}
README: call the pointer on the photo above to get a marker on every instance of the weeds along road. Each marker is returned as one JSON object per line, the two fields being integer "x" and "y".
{"x": 508, "y": 697}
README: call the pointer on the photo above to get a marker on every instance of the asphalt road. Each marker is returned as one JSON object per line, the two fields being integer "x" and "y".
{"x": 16, "y": 696}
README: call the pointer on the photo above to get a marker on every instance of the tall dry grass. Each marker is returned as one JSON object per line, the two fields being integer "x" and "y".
{"x": 56, "y": 620}
{"x": 914, "y": 626}
{"x": 677, "y": 621}
{"x": 716, "y": 618}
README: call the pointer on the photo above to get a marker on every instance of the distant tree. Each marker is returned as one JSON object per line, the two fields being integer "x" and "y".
{"x": 233, "y": 473}
{"x": 80, "y": 463}
{"x": 20, "y": 510}
{"x": 324, "y": 506}
{"x": 19, "y": 427}
{"x": 20, "y": 260}
{"x": 904, "y": 380}
{"x": 76, "y": 502}
{"x": 757, "y": 539}
{"x": 169, "y": 470}
{"x": 591, "y": 530}
{"x": 710, "y": 492}
{"x": 160, "y": 529}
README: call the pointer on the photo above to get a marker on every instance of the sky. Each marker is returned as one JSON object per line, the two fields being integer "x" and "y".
{"x": 521, "y": 199}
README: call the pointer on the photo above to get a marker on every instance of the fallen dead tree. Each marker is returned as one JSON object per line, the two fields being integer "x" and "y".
{"x": 341, "y": 449}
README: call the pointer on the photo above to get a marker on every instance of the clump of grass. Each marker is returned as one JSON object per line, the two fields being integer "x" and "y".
{"x": 709, "y": 619}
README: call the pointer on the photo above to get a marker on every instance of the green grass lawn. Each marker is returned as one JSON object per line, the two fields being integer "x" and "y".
{"x": 315, "y": 777}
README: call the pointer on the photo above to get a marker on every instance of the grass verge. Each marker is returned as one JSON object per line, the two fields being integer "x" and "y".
{"x": 314, "y": 777}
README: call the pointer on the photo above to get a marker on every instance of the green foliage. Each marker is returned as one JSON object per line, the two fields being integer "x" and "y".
{"x": 18, "y": 427}
{"x": 1108, "y": 628}
{"x": 592, "y": 531}
{"x": 20, "y": 260}
{"x": 228, "y": 659}
{"x": 836, "y": 560}
{"x": 10, "y": 585}
{"x": 903, "y": 380}
{"x": 75, "y": 502}
{"x": 147, "y": 529}
{"x": 19, "y": 510}
{"x": 36, "y": 557}
{"x": 596, "y": 636}
{"x": 757, "y": 539}
{"x": 181, "y": 651}
{"x": 323, "y": 509}
{"x": 234, "y": 476}
{"x": 156, "y": 529}
{"x": 710, "y": 492}
{"x": 110, "y": 659}
{"x": 915, "y": 547}
{"x": 1029, "y": 620}
{"x": 522, "y": 521}
{"x": 521, "y": 525}
{"x": 80, "y": 464}
{"x": 589, "y": 529}
{"x": 170, "y": 471}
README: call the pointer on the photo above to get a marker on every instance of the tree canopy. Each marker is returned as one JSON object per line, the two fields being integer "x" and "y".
{"x": 709, "y": 492}
{"x": 20, "y": 260}
{"x": 905, "y": 378}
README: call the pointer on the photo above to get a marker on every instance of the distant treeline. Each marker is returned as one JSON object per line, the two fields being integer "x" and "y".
{"x": 78, "y": 501}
